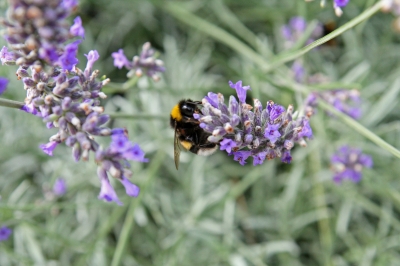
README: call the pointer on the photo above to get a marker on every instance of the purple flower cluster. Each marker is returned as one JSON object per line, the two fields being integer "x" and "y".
{"x": 348, "y": 162}
{"x": 346, "y": 101}
{"x": 64, "y": 96}
{"x": 145, "y": 63}
{"x": 114, "y": 160}
{"x": 71, "y": 103}
{"x": 262, "y": 133}
{"x": 38, "y": 33}
{"x": 5, "y": 233}
{"x": 294, "y": 30}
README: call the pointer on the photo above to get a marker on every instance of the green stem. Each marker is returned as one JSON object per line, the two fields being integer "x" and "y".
{"x": 324, "y": 227}
{"x": 128, "y": 116}
{"x": 129, "y": 219}
{"x": 217, "y": 33}
{"x": 224, "y": 14}
{"x": 11, "y": 104}
{"x": 281, "y": 59}
{"x": 223, "y": 36}
{"x": 359, "y": 128}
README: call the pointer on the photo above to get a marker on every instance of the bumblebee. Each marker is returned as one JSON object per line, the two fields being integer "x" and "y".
{"x": 188, "y": 133}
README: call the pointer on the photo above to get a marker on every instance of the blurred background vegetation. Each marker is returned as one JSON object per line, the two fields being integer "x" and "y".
{"x": 212, "y": 211}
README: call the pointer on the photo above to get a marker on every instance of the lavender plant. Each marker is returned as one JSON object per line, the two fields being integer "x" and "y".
{"x": 67, "y": 98}
{"x": 262, "y": 133}
{"x": 271, "y": 214}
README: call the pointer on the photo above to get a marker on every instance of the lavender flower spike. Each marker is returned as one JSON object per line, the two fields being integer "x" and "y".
{"x": 5, "y": 233}
{"x": 38, "y": 32}
{"x": 243, "y": 130}
{"x": 348, "y": 162}
{"x": 66, "y": 98}
{"x": 345, "y": 101}
{"x": 145, "y": 63}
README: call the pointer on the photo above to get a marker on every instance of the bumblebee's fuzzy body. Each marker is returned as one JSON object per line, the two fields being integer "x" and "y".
{"x": 188, "y": 133}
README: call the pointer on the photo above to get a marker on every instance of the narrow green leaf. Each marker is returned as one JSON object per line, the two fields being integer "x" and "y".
{"x": 384, "y": 105}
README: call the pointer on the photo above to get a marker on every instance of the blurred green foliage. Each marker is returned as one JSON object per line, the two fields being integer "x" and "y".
{"x": 212, "y": 211}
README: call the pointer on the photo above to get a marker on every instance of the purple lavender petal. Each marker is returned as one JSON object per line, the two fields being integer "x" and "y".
{"x": 227, "y": 144}
{"x": 49, "y": 147}
{"x": 131, "y": 189}
{"x": 306, "y": 130}
{"x": 68, "y": 60}
{"x": 120, "y": 143}
{"x": 286, "y": 157}
{"x": 120, "y": 59}
{"x": 275, "y": 111}
{"x": 5, "y": 55}
{"x": 240, "y": 90}
{"x": 92, "y": 57}
{"x": 212, "y": 98}
{"x": 77, "y": 28}
{"x": 241, "y": 156}
{"x": 107, "y": 192}
{"x": 272, "y": 133}
{"x": 135, "y": 153}
{"x": 259, "y": 158}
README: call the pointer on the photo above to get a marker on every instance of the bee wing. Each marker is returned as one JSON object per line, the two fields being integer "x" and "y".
{"x": 177, "y": 149}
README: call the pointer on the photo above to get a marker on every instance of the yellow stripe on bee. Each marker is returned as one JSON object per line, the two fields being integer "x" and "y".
{"x": 176, "y": 113}
{"x": 186, "y": 144}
